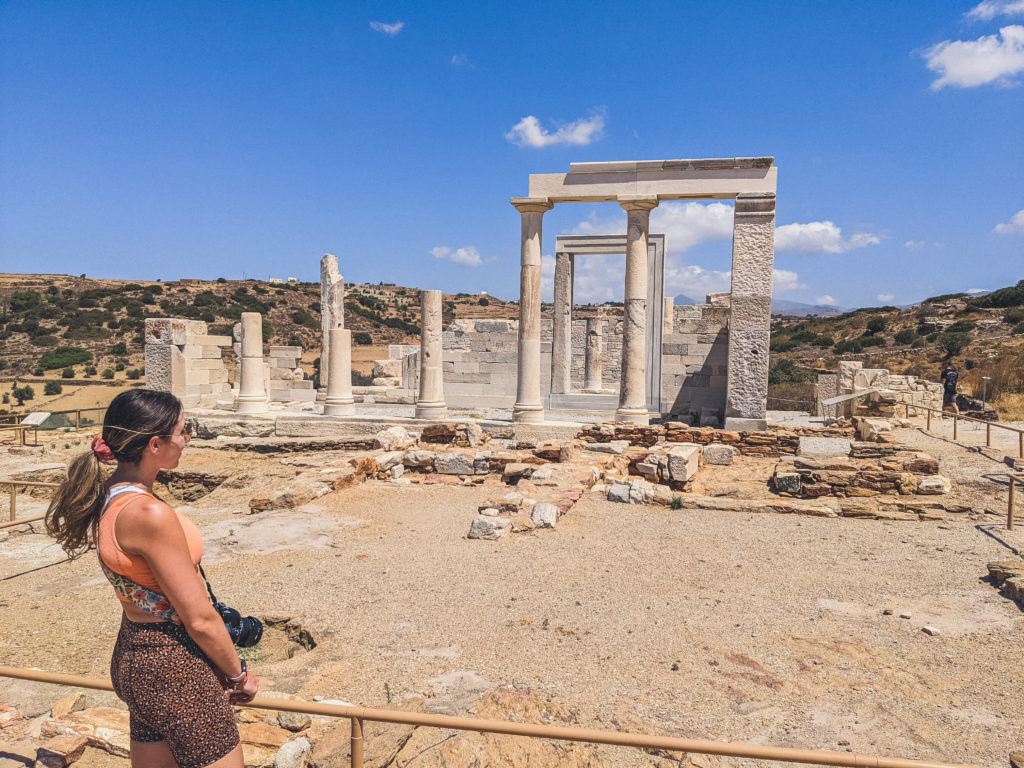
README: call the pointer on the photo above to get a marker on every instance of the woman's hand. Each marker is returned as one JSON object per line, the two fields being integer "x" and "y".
{"x": 245, "y": 691}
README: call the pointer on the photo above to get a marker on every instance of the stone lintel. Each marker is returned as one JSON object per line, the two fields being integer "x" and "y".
{"x": 666, "y": 184}
{"x": 760, "y": 202}
{"x": 702, "y": 164}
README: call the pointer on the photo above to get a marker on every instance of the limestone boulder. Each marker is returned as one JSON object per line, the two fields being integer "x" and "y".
{"x": 872, "y": 430}
{"x": 387, "y": 369}
{"x": 934, "y": 485}
{"x": 393, "y": 439}
{"x": 453, "y": 464}
{"x": 613, "y": 446}
{"x": 418, "y": 459}
{"x": 61, "y": 751}
{"x": 544, "y": 515}
{"x": 386, "y": 381}
{"x": 683, "y": 462}
{"x": 619, "y": 492}
{"x": 293, "y": 754}
{"x": 718, "y": 454}
{"x": 260, "y": 742}
{"x": 388, "y": 460}
{"x": 102, "y": 727}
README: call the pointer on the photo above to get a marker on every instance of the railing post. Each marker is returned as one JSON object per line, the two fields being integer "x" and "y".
{"x": 928, "y": 426}
{"x": 1020, "y": 445}
{"x": 356, "y": 746}
{"x": 954, "y": 425}
{"x": 78, "y": 420}
{"x": 14, "y": 498}
{"x": 988, "y": 435}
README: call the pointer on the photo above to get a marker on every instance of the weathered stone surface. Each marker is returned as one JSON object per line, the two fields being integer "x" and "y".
{"x": 388, "y": 460}
{"x": 933, "y": 485}
{"x": 73, "y": 703}
{"x": 103, "y": 727}
{"x": 418, "y": 458}
{"x": 439, "y": 433}
{"x": 614, "y": 446}
{"x": 683, "y": 462}
{"x": 787, "y": 482}
{"x": 294, "y": 721}
{"x": 619, "y": 492}
{"x": 872, "y": 430}
{"x": 393, "y": 439}
{"x": 488, "y": 527}
{"x": 387, "y": 368}
{"x": 544, "y": 515}
{"x": 60, "y": 751}
{"x": 453, "y": 464}
{"x": 293, "y": 754}
{"x": 824, "y": 446}
{"x": 719, "y": 454}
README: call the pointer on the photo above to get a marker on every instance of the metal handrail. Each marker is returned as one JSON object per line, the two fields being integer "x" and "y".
{"x": 674, "y": 744}
{"x": 988, "y": 426}
{"x": 14, "y": 485}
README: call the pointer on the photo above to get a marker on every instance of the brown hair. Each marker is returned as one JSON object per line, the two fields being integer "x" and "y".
{"x": 133, "y": 418}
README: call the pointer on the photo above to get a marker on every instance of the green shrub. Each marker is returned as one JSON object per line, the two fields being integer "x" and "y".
{"x": 90, "y": 370}
{"x": 107, "y": 373}
{"x": 303, "y": 318}
{"x": 782, "y": 344}
{"x": 37, "y": 371}
{"x": 932, "y": 337}
{"x": 917, "y": 343}
{"x": 1018, "y": 329}
{"x": 872, "y": 341}
{"x": 362, "y": 338}
{"x": 786, "y": 371}
{"x": 23, "y": 393}
{"x": 876, "y": 325}
{"x": 1014, "y": 315}
{"x": 47, "y": 340}
{"x": 53, "y": 388}
{"x": 22, "y": 300}
{"x": 849, "y": 347}
{"x": 1004, "y": 297}
{"x": 119, "y": 348}
{"x": 62, "y": 357}
{"x": 133, "y": 373}
{"x": 119, "y": 366}
{"x": 951, "y": 342}
{"x": 483, "y": 301}
{"x": 67, "y": 373}
{"x": 268, "y": 331}
{"x": 906, "y": 336}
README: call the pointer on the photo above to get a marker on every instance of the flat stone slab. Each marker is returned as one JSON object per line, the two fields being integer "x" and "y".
{"x": 824, "y": 446}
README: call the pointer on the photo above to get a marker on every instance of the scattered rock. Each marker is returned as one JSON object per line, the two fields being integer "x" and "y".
{"x": 388, "y": 460}
{"x": 929, "y": 630}
{"x": 823, "y": 446}
{"x": 887, "y": 612}
{"x": 787, "y": 482}
{"x": 615, "y": 446}
{"x": 294, "y": 721}
{"x": 544, "y": 515}
{"x": 397, "y": 471}
{"x": 683, "y": 462}
{"x": 488, "y": 527}
{"x": 934, "y": 485}
{"x": 73, "y": 703}
{"x": 418, "y": 458}
{"x": 60, "y": 751}
{"x": 452, "y": 464}
{"x": 619, "y": 492}
{"x": 905, "y": 615}
{"x": 103, "y": 727}
{"x": 293, "y": 754}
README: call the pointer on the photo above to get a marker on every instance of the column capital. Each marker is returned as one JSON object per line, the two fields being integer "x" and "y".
{"x": 638, "y": 202}
{"x": 532, "y": 204}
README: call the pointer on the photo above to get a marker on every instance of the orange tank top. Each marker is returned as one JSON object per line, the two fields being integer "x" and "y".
{"x": 131, "y": 566}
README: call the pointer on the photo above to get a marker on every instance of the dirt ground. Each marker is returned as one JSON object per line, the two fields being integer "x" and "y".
{"x": 766, "y": 629}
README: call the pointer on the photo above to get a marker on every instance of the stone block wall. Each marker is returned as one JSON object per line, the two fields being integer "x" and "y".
{"x": 695, "y": 361}
{"x": 898, "y": 395}
{"x": 284, "y": 384}
{"x": 480, "y": 360}
{"x": 183, "y": 359}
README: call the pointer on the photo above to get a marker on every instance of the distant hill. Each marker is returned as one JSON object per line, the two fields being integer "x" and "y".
{"x": 684, "y": 299}
{"x": 800, "y": 309}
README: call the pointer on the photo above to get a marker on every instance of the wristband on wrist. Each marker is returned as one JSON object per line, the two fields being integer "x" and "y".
{"x": 240, "y": 677}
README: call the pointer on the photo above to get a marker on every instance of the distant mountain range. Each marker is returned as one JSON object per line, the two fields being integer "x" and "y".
{"x": 783, "y": 307}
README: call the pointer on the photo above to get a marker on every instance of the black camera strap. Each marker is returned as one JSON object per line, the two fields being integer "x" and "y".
{"x": 213, "y": 597}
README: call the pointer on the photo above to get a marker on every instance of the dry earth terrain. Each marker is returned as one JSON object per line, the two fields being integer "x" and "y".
{"x": 766, "y": 629}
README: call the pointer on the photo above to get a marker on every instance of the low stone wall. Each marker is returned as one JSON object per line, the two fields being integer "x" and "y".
{"x": 771, "y": 442}
{"x": 285, "y": 380}
{"x": 695, "y": 362}
{"x": 906, "y": 474}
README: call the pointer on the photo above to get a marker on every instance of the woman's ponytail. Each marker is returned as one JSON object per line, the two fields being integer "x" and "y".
{"x": 77, "y": 504}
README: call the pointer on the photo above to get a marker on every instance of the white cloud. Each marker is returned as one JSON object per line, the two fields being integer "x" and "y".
{"x": 968, "y": 63}
{"x": 694, "y": 281}
{"x": 974, "y": 291}
{"x": 914, "y": 245}
{"x": 468, "y": 256}
{"x": 819, "y": 237}
{"x": 825, "y": 300}
{"x": 528, "y": 132}
{"x": 1014, "y": 226}
{"x": 885, "y": 298}
{"x": 784, "y": 280}
{"x": 388, "y": 29}
{"x": 989, "y": 9}
{"x": 460, "y": 60}
{"x": 683, "y": 224}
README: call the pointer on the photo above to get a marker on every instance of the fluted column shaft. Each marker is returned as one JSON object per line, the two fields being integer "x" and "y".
{"x": 430, "y": 403}
{"x": 252, "y": 391}
{"x": 561, "y": 339}
{"x": 339, "y": 386}
{"x": 332, "y": 311}
{"x": 633, "y": 382}
{"x": 529, "y": 407}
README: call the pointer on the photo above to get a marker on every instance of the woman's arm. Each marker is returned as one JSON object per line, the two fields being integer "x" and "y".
{"x": 151, "y": 530}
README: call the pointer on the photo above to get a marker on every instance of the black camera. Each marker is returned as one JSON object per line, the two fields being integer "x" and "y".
{"x": 245, "y": 631}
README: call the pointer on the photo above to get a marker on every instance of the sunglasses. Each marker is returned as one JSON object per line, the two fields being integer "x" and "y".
{"x": 186, "y": 431}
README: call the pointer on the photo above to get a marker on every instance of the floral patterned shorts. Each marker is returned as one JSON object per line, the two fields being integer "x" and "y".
{"x": 172, "y": 692}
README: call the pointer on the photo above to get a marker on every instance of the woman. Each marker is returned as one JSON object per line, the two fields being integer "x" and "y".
{"x": 174, "y": 664}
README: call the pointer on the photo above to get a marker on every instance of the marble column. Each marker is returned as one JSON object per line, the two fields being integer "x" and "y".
{"x": 339, "y": 400}
{"x": 595, "y": 332}
{"x": 332, "y": 311}
{"x": 750, "y": 314}
{"x": 633, "y": 382}
{"x": 529, "y": 407}
{"x": 561, "y": 339}
{"x": 252, "y": 390}
{"x": 430, "y": 403}
{"x": 668, "y": 319}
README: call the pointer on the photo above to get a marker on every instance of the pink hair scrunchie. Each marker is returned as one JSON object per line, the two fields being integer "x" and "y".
{"x": 103, "y": 453}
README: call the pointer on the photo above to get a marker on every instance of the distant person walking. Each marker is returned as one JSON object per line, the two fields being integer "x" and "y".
{"x": 949, "y": 378}
{"x": 174, "y": 664}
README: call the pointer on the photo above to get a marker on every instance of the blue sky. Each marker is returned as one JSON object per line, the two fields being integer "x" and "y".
{"x": 148, "y": 140}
